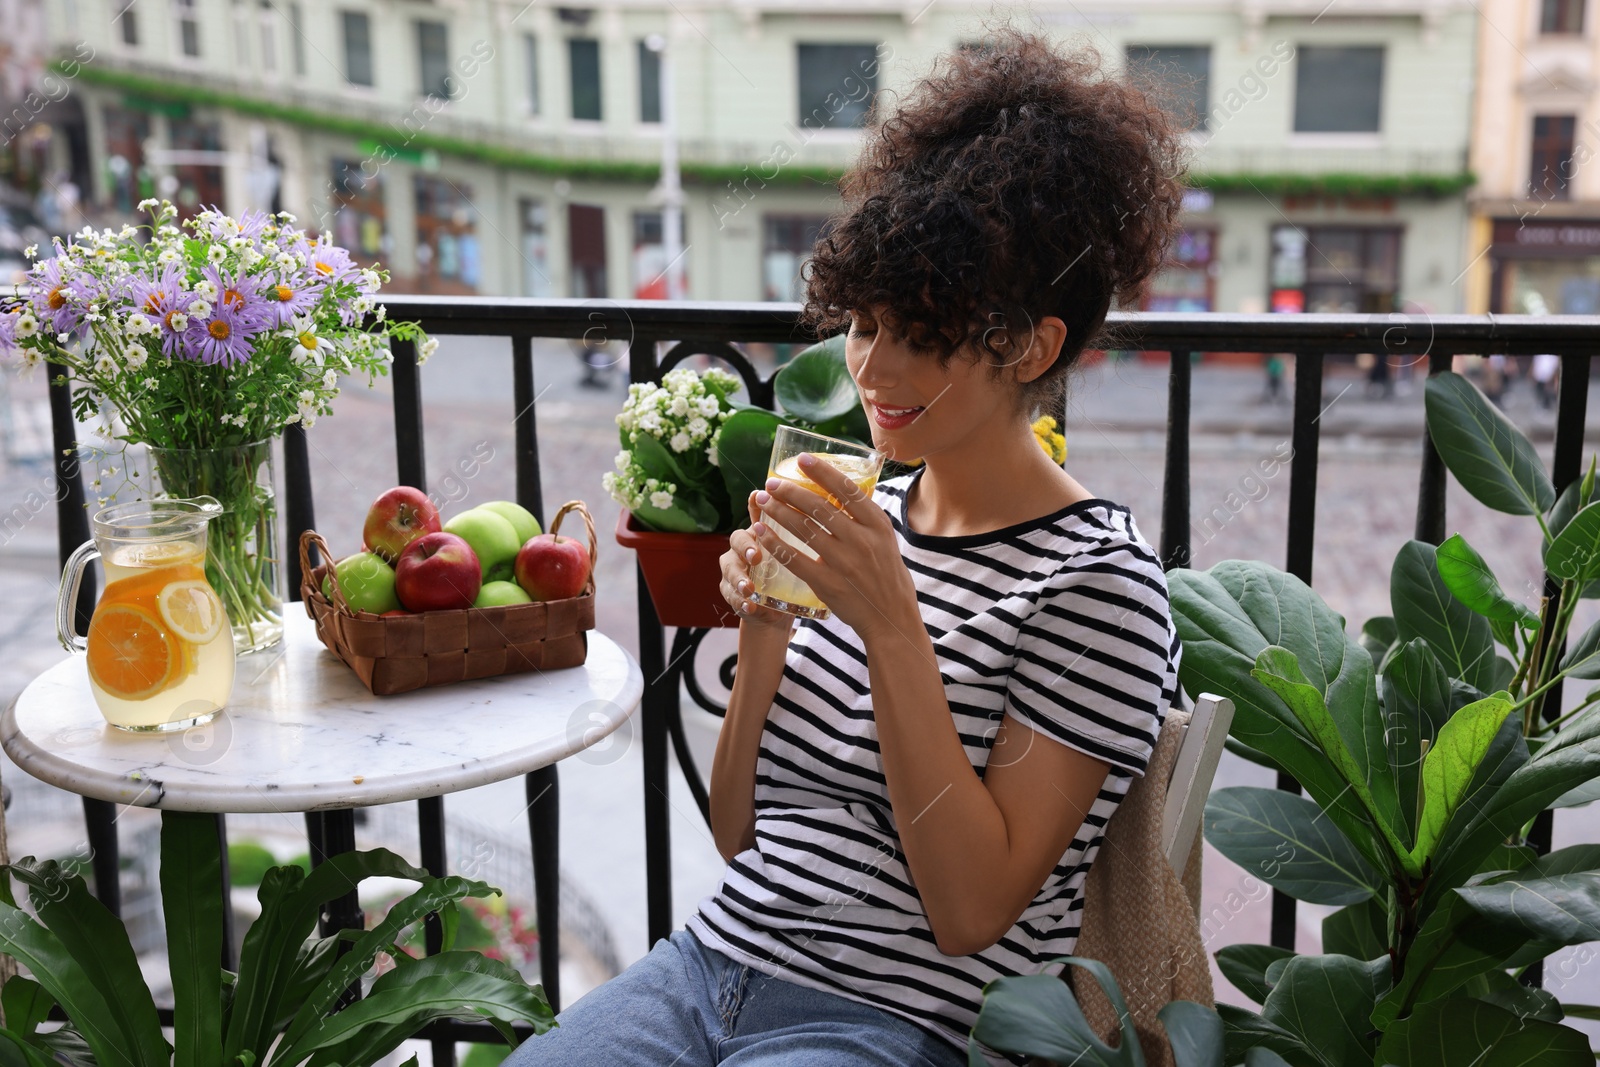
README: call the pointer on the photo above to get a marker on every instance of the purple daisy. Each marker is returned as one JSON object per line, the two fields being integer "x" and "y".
{"x": 159, "y": 296}
{"x": 58, "y": 300}
{"x": 328, "y": 263}
{"x": 288, "y": 297}
{"x": 225, "y": 336}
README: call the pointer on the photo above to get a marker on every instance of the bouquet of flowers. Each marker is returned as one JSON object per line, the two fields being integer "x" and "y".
{"x": 667, "y": 471}
{"x": 203, "y": 341}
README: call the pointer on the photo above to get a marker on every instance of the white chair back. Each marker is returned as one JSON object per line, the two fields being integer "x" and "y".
{"x": 1192, "y": 774}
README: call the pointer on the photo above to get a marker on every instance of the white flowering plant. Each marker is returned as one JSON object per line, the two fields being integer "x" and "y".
{"x": 213, "y": 333}
{"x": 691, "y": 456}
{"x": 666, "y": 473}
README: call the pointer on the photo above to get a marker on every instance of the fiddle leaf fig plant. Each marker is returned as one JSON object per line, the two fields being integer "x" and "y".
{"x": 1425, "y": 752}
{"x": 286, "y": 1005}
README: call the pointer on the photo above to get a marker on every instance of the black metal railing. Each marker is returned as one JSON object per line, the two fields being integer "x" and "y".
{"x": 690, "y": 329}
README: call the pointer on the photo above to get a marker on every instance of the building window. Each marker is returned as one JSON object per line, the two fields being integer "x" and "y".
{"x": 357, "y": 47}
{"x": 448, "y": 256}
{"x": 241, "y": 34}
{"x": 786, "y": 243}
{"x": 433, "y": 58}
{"x": 127, "y": 20}
{"x": 530, "y": 51}
{"x": 1338, "y": 89}
{"x": 1561, "y": 16}
{"x": 1335, "y": 269}
{"x": 837, "y": 83}
{"x": 1185, "y": 282}
{"x": 650, "y": 260}
{"x": 360, "y": 222}
{"x": 1550, "y": 168}
{"x": 297, "y": 42}
{"x": 583, "y": 59}
{"x": 535, "y": 248}
{"x": 269, "y": 38}
{"x": 1181, "y": 76}
{"x": 649, "y": 84}
{"x": 187, "y": 25}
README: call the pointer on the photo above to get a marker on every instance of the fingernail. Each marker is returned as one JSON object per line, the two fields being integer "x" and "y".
{"x": 750, "y": 554}
{"x": 762, "y": 497}
{"x": 807, "y": 459}
{"x": 772, "y": 483}
{"x": 744, "y": 608}
{"x": 759, "y": 529}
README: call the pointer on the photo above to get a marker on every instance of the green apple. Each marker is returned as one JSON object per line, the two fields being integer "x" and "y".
{"x": 367, "y": 583}
{"x": 520, "y": 518}
{"x": 497, "y": 594}
{"x": 492, "y": 537}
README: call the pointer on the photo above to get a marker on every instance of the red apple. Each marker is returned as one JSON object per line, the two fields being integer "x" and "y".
{"x": 552, "y": 567}
{"x": 436, "y": 572}
{"x": 397, "y": 518}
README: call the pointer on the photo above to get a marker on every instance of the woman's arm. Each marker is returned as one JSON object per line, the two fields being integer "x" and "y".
{"x": 733, "y": 770}
{"x": 979, "y": 849}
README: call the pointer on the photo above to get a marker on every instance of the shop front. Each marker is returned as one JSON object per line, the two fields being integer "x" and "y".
{"x": 1545, "y": 267}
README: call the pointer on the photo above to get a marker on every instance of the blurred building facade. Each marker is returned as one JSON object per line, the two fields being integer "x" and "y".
{"x": 1536, "y": 207}
{"x": 498, "y": 146}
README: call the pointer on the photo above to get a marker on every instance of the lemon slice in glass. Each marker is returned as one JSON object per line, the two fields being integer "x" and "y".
{"x": 191, "y": 611}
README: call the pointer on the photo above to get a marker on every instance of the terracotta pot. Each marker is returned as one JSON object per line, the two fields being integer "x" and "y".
{"x": 682, "y": 573}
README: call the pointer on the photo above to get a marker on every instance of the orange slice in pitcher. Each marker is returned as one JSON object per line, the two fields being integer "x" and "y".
{"x": 130, "y": 655}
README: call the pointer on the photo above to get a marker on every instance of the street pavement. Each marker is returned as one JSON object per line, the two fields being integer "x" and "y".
{"x": 1366, "y": 497}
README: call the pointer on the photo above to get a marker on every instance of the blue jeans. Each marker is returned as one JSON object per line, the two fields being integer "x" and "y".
{"x": 688, "y": 1005}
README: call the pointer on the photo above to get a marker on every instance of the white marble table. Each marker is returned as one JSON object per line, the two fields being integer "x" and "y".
{"x": 301, "y": 733}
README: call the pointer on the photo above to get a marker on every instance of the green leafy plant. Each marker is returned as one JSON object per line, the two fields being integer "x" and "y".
{"x": 286, "y": 1005}
{"x": 1425, "y": 755}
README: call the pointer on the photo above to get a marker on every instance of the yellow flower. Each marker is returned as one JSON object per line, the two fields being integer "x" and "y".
{"x": 1054, "y": 444}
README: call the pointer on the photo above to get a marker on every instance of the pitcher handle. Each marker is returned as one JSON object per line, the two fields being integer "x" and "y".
{"x": 67, "y": 598}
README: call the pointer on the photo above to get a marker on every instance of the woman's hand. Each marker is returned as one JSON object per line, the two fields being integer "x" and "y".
{"x": 858, "y": 573}
{"x": 737, "y": 588}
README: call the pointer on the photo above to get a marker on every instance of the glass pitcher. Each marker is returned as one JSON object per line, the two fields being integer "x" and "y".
{"x": 160, "y": 650}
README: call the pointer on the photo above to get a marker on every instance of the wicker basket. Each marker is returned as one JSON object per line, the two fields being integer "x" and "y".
{"x": 398, "y": 653}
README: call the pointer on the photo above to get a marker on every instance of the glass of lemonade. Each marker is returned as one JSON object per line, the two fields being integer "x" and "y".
{"x": 775, "y": 586}
{"x": 160, "y": 651}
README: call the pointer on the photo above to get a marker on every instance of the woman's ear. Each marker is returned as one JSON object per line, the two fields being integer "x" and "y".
{"x": 1046, "y": 339}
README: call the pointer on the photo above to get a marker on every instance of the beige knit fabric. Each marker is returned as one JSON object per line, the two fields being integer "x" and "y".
{"x": 1139, "y": 917}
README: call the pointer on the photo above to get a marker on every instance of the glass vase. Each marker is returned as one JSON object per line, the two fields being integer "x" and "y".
{"x": 243, "y": 563}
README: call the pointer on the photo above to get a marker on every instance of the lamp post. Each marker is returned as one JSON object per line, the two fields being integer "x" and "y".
{"x": 670, "y": 190}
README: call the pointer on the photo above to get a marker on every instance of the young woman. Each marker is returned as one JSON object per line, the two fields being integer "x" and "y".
{"x": 909, "y": 794}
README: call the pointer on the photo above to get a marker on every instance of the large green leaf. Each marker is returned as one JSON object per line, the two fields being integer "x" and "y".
{"x": 1246, "y": 967}
{"x": 1462, "y": 1031}
{"x": 1037, "y": 1015}
{"x": 1195, "y": 1033}
{"x": 1325, "y": 1002}
{"x": 290, "y": 902}
{"x": 1448, "y": 769}
{"x": 1225, "y": 617}
{"x": 744, "y": 448}
{"x": 1470, "y": 581}
{"x": 382, "y": 1020}
{"x": 1563, "y": 909}
{"x": 1424, "y": 607}
{"x": 1352, "y": 741}
{"x": 191, "y": 902}
{"x": 1499, "y": 988}
{"x": 63, "y": 977}
{"x": 1360, "y": 930}
{"x": 1488, "y": 455}
{"x": 98, "y": 944}
{"x": 26, "y": 1004}
{"x": 1377, "y": 634}
{"x": 1583, "y": 660}
{"x": 432, "y": 895}
{"x": 816, "y": 385}
{"x": 1574, "y": 555}
{"x": 1417, "y": 700}
{"x": 1567, "y": 505}
{"x": 1493, "y": 814}
{"x": 16, "y": 1052}
{"x": 1245, "y": 1032}
{"x": 1285, "y": 840}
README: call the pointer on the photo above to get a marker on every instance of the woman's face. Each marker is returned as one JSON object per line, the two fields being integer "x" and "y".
{"x": 917, "y": 408}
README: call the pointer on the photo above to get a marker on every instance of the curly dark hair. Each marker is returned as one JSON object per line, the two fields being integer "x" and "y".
{"x": 1015, "y": 181}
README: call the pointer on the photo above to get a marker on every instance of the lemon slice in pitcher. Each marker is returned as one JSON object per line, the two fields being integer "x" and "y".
{"x": 191, "y": 611}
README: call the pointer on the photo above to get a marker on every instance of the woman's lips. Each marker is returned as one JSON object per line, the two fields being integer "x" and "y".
{"x": 894, "y": 418}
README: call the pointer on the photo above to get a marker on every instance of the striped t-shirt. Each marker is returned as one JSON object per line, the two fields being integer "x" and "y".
{"x": 1061, "y": 621}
